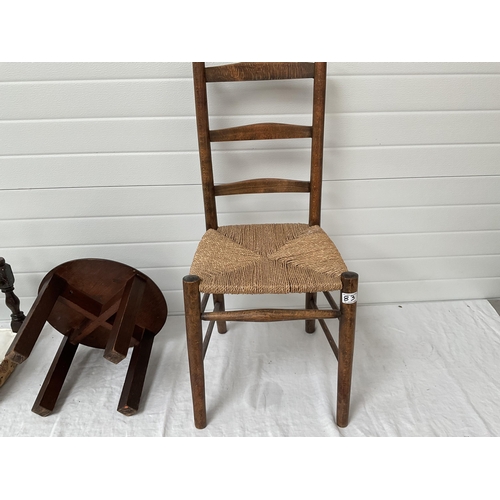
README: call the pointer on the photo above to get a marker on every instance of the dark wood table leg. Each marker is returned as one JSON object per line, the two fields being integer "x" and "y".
{"x": 136, "y": 375}
{"x": 123, "y": 326}
{"x": 30, "y": 330}
{"x": 47, "y": 397}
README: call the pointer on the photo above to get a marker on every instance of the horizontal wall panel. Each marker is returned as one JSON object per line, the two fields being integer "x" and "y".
{"x": 418, "y": 245}
{"x": 386, "y": 220}
{"x": 368, "y": 251}
{"x": 157, "y": 200}
{"x": 357, "y": 95}
{"x": 97, "y": 136}
{"x": 147, "y": 229}
{"x": 41, "y": 71}
{"x": 138, "y": 255}
{"x": 139, "y": 169}
{"x": 161, "y": 134}
{"x": 101, "y": 202}
{"x": 412, "y": 161}
{"x": 432, "y": 268}
{"x": 362, "y": 162}
{"x": 101, "y": 230}
{"x": 412, "y": 68}
{"x": 375, "y": 193}
{"x": 121, "y": 169}
{"x": 389, "y": 129}
{"x": 96, "y": 99}
{"x": 175, "y": 97}
{"x": 413, "y": 93}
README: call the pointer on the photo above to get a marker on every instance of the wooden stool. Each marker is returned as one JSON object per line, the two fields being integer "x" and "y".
{"x": 98, "y": 303}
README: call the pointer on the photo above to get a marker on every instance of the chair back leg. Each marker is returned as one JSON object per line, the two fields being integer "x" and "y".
{"x": 310, "y": 323}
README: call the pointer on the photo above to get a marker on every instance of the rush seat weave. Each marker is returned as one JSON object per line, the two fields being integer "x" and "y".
{"x": 267, "y": 259}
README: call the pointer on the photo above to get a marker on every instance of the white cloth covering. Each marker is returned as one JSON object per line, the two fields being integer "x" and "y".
{"x": 426, "y": 369}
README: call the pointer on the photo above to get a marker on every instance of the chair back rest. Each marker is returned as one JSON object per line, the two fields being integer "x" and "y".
{"x": 238, "y": 72}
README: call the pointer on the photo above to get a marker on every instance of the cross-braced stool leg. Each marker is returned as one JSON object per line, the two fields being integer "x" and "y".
{"x": 30, "y": 330}
{"x": 346, "y": 346}
{"x": 123, "y": 326}
{"x": 47, "y": 397}
{"x": 192, "y": 308}
{"x": 136, "y": 375}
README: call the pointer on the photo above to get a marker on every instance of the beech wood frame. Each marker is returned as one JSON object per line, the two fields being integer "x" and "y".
{"x": 194, "y": 304}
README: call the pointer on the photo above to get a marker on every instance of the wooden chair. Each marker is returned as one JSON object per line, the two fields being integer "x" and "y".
{"x": 98, "y": 303}
{"x": 266, "y": 258}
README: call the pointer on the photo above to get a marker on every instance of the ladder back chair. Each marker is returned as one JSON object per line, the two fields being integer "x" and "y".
{"x": 266, "y": 258}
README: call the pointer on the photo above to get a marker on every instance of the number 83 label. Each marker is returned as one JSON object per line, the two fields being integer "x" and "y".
{"x": 349, "y": 298}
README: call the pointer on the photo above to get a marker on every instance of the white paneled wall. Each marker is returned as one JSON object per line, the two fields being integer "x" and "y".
{"x": 100, "y": 160}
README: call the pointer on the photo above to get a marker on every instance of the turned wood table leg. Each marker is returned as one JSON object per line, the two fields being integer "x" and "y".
{"x": 11, "y": 299}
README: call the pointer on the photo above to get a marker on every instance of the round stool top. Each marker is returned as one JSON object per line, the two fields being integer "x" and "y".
{"x": 94, "y": 287}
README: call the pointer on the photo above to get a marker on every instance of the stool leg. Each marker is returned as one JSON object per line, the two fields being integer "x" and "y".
{"x": 47, "y": 397}
{"x": 347, "y": 323}
{"x": 30, "y": 330}
{"x": 192, "y": 308}
{"x": 123, "y": 327}
{"x": 136, "y": 375}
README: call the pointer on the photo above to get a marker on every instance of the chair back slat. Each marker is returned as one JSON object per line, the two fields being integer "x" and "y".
{"x": 261, "y": 131}
{"x": 249, "y": 71}
{"x": 262, "y": 186}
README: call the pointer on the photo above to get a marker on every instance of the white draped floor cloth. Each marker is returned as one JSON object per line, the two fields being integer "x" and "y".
{"x": 426, "y": 369}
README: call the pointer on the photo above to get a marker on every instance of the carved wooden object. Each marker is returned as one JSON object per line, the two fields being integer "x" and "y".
{"x": 7, "y": 367}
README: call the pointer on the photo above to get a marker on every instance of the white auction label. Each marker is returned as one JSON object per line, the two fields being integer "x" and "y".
{"x": 349, "y": 298}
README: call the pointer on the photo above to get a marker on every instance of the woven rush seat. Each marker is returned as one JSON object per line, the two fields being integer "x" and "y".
{"x": 267, "y": 259}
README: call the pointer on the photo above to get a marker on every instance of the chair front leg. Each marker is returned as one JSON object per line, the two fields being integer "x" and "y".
{"x": 347, "y": 324}
{"x": 192, "y": 309}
